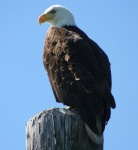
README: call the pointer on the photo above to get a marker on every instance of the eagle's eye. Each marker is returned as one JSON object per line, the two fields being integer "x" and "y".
{"x": 53, "y": 11}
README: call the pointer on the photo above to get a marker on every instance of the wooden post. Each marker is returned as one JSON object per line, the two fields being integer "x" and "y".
{"x": 58, "y": 129}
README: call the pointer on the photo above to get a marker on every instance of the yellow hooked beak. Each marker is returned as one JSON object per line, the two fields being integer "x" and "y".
{"x": 44, "y": 18}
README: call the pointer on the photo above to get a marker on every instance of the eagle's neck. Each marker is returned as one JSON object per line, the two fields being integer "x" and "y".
{"x": 63, "y": 20}
{"x": 64, "y": 23}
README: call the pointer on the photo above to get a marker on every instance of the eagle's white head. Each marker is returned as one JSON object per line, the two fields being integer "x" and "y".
{"x": 57, "y": 16}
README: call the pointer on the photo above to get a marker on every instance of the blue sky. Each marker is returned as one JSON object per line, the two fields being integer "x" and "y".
{"x": 24, "y": 86}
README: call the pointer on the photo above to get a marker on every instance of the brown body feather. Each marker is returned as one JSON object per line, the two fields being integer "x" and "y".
{"x": 79, "y": 73}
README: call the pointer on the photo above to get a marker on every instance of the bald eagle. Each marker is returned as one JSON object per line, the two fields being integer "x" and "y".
{"x": 78, "y": 70}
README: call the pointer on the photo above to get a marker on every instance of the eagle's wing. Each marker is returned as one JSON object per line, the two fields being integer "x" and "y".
{"x": 103, "y": 61}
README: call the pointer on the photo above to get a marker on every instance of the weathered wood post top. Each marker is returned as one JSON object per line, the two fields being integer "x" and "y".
{"x": 58, "y": 129}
